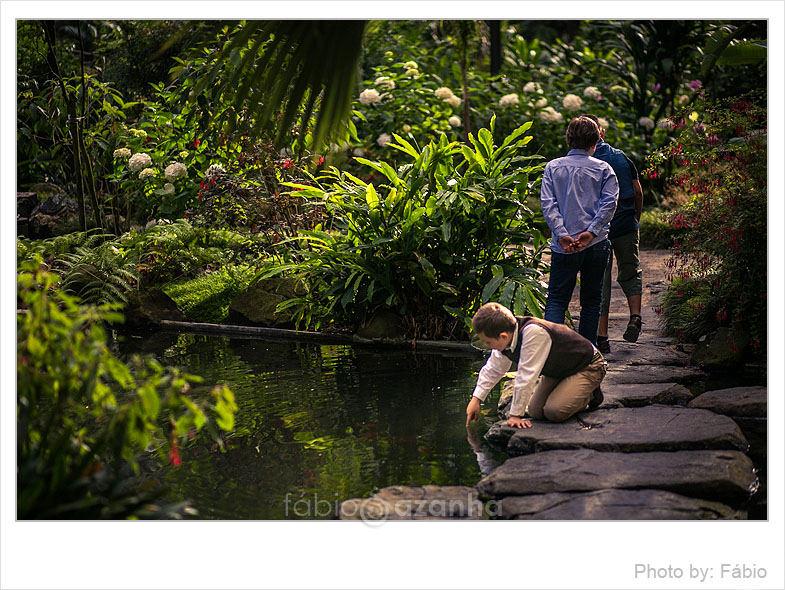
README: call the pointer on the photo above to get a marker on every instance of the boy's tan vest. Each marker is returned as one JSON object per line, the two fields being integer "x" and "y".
{"x": 570, "y": 352}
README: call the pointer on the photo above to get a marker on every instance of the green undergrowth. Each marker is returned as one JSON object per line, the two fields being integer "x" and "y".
{"x": 206, "y": 298}
{"x": 655, "y": 230}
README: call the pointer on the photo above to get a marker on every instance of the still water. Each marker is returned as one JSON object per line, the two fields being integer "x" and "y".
{"x": 318, "y": 424}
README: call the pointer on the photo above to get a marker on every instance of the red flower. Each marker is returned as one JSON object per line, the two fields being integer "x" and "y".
{"x": 196, "y": 142}
{"x": 174, "y": 456}
{"x": 287, "y": 163}
{"x": 320, "y": 160}
{"x": 146, "y": 139}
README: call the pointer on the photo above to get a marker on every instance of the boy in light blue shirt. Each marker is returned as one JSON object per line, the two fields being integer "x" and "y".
{"x": 578, "y": 197}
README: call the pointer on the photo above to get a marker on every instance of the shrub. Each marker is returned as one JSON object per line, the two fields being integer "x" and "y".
{"x": 83, "y": 416}
{"x": 207, "y": 297}
{"x": 656, "y": 231}
{"x": 720, "y": 159}
{"x": 441, "y": 235}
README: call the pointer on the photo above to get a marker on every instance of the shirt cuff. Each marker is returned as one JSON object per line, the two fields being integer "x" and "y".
{"x": 481, "y": 395}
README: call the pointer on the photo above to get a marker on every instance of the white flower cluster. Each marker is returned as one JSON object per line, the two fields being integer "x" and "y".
{"x": 541, "y": 103}
{"x": 508, "y": 100}
{"x": 550, "y": 115}
{"x": 447, "y": 96}
{"x": 215, "y": 170}
{"x": 147, "y": 173}
{"x": 383, "y": 139}
{"x": 183, "y": 154}
{"x": 533, "y": 87}
{"x": 122, "y": 153}
{"x": 646, "y": 123}
{"x": 139, "y": 161}
{"x": 168, "y": 188}
{"x": 592, "y": 92}
{"x": 137, "y": 132}
{"x": 412, "y": 69}
{"x": 665, "y": 124}
{"x": 175, "y": 170}
{"x": 603, "y": 122}
{"x": 572, "y": 102}
{"x": 370, "y": 96}
{"x": 385, "y": 83}
{"x": 455, "y": 121}
{"x": 684, "y": 99}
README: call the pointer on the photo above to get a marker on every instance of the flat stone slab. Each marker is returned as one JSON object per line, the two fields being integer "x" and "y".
{"x": 747, "y": 402}
{"x": 713, "y": 475}
{"x": 615, "y": 505}
{"x": 650, "y": 428}
{"x": 643, "y": 353}
{"x": 427, "y": 502}
{"x": 636, "y": 395}
{"x": 652, "y": 374}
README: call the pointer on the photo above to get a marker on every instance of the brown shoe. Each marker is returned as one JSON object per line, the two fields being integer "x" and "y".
{"x": 633, "y": 329}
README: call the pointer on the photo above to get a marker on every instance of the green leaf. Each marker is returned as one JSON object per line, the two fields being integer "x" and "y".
{"x": 371, "y": 197}
{"x": 491, "y": 287}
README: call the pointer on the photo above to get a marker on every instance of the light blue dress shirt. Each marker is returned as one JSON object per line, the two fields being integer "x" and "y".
{"x": 579, "y": 193}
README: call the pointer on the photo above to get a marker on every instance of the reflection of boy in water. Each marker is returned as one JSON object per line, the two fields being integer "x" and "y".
{"x": 572, "y": 368}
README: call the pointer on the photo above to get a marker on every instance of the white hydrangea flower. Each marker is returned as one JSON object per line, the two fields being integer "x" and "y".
{"x": 168, "y": 188}
{"x": 370, "y": 96}
{"x": 214, "y": 170}
{"x": 411, "y": 72}
{"x": 139, "y": 161}
{"x": 175, "y": 170}
{"x": 385, "y": 83}
{"x": 358, "y": 152}
{"x": 592, "y": 92}
{"x": 384, "y": 139}
{"x": 572, "y": 102}
{"x": 603, "y": 122}
{"x": 508, "y": 100}
{"x": 550, "y": 115}
{"x": 455, "y": 121}
{"x": 122, "y": 153}
{"x": 183, "y": 154}
{"x": 453, "y": 101}
{"x": 411, "y": 65}
{"x": 443, "y": 93}
{"x": 541, "y": 103}
{"x": 665, "y": 124}
{"x": 646, "y": 123}
{"x": 147, "y": 173}
{"x": 407, "y": 128}
{"x": 533, "y": 87}
{"x": 452, "y": 182}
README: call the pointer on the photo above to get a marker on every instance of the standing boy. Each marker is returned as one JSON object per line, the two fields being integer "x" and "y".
{"x": 571, "y": 367}
{"x": 624, "y": 236}
{"x": 578, "y": 199}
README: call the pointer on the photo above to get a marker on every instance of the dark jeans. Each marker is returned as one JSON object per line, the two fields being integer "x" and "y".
{"x": 590, "y": 263}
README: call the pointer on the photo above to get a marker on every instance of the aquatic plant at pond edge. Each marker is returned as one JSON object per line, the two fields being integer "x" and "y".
{"x": 438, "y": 237}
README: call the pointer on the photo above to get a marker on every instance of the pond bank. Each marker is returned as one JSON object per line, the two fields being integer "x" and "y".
{"x": 659, "y": 447}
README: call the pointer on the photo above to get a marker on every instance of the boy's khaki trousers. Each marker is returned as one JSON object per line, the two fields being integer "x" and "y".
{"x": 558, "y": 399}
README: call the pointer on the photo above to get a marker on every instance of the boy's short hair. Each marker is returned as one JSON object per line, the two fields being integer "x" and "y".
{"x": 582, "y": 133}
{"x": 492, "y": 319}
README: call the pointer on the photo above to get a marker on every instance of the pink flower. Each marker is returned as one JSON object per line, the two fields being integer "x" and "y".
{"x": 174, "y": 456}
{"x": 694, "y": 85}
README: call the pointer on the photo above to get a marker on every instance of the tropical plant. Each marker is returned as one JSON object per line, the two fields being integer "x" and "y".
{"x": 83, "y": 416}
{"x": 438, "y": 237}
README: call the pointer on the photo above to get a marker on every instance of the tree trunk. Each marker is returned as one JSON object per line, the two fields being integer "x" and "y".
{"x": 495, "y": 27}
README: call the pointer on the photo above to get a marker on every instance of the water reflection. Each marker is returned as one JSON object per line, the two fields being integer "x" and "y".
{"x": 323, "y": 421}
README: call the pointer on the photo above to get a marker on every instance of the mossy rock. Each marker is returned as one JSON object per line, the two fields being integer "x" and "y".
{"x": 256, "y": 306}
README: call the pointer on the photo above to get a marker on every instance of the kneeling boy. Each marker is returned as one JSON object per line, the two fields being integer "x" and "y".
{"x": 571, "y": 367}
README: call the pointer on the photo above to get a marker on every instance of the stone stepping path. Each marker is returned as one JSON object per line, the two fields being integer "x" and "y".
{"x": 615, "y": 505}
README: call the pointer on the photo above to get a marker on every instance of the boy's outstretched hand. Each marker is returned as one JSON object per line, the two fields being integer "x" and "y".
{"x": 516, "y": 422}
{"x": 473, "y": 410}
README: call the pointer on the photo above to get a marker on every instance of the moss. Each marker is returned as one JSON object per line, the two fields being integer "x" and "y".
{"x": 207, "y": 297}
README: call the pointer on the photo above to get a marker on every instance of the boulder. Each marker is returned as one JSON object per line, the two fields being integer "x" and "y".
{"x": 54, "y": 216}
{"x": 722, "y": 351}
{"x": 653, "y": 374}
{"x": 646, "y": 352}
{"x": 256, "y": 306}
{"x": 428, "y": 502}
{"x": 25, "y": 203}
{"x": 615, "y": 505}
{"x": 635, "y": 395}
{"x": 382, "y": 324}
{"x": 736, "y": 401}
{"x": 727, "y": 476}
{"x": 650, "y": 428}
{"x": 147, "y": 308}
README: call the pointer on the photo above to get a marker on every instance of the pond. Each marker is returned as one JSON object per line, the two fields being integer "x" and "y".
{"x": 321, "y": 423}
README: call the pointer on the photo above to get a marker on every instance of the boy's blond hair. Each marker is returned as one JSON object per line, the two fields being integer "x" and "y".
{"x": 492, "y": 319}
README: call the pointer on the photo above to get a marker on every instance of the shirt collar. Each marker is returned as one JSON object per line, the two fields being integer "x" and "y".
{"x": 514, "y": 340}
{"x": 577, "y": 152}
